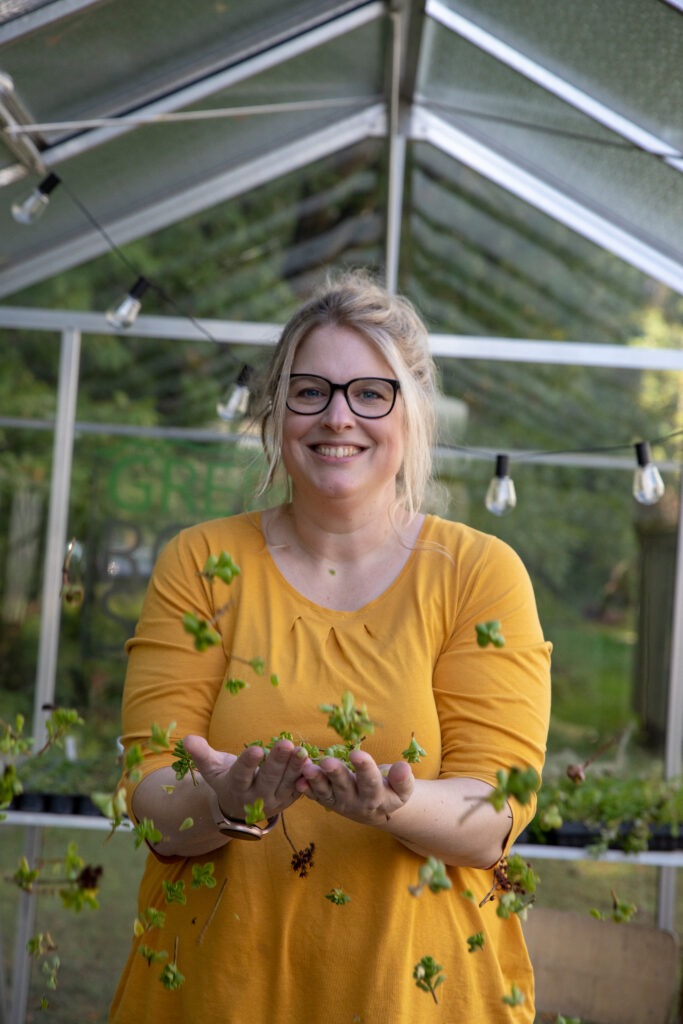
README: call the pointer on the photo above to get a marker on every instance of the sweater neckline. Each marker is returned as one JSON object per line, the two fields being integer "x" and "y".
{"x": 326, "y": 610}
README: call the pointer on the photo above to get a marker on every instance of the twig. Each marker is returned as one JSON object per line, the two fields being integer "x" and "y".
{"x": 200, "y": 937}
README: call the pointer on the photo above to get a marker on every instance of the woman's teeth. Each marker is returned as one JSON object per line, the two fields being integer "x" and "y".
{"x": 336, "y": 451}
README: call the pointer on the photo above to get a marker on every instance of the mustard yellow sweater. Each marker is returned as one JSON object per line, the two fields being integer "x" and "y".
{"x": 265, "y": 946}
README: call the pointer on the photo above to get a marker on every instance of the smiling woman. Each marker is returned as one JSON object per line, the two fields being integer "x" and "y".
{"x": 348, "y": 590}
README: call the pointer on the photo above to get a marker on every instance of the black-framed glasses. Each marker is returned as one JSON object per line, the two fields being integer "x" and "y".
{"x": 368, "y": 397}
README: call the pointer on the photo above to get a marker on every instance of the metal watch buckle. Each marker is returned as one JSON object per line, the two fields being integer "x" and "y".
{"x": 237, "y": 829}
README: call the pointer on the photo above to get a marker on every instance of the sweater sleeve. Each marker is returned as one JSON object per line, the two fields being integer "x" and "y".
{"x": 168, "y": 680}
{"x": 494, "y": 703}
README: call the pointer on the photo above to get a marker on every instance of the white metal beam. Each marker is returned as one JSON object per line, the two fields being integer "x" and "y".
{"x": 49, "y": 14}
{"x": 451, "y": 346}
{"x": 427, "y": 127}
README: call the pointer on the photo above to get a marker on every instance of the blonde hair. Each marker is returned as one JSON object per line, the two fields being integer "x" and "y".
{"x": 390, "y": 323}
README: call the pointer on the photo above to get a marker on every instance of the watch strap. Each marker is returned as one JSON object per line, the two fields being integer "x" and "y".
{"x": 233, "y": 827}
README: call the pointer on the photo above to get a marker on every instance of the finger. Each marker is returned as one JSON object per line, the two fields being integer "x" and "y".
{"x": 401, "y": 779}
{"x": 244, "y": 770}
{"x": 210, "y": 762}
{"x": 315, "y": 783}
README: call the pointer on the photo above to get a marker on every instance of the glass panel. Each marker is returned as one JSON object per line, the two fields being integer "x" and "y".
{"x": 598, "y": 51}
{"x": 603, "y": 572}
{"x": 27, "y": 395}
{"x": 129, "y": 53}
{"x": 480, "y": 261}
{"x": 552, "y": 140}
{"x": 246, "y": 259}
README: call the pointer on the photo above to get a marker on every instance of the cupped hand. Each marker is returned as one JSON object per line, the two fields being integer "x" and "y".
{"x": 254, "y": 774}
{"x": 368, "y": 793}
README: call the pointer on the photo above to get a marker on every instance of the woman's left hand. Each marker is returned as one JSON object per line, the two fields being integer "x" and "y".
{"x": 369, "y": 794}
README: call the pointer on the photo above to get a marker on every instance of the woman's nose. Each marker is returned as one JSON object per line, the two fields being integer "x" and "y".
{"x": 338, "y": 413}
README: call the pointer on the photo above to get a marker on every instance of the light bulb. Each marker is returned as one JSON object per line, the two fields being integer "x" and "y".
{"x": 30, "y": 209}
{"x": 501, "y": 496}
{"x": 648, "y": 486}
{"x": 125, "y": 313}
{"x": 237, "y": 402}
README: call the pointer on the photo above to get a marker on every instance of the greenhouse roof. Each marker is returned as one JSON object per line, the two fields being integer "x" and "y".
{"x": 152, "y": 113}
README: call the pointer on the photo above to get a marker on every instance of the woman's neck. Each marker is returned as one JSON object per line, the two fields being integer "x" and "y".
{"x": 340, "y": 535}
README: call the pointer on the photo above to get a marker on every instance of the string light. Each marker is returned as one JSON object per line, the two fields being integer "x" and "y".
{"x": 34, "y": 205}
{"x": 237, "y": 401}
{"x": 124, "y": 314}
{"x": 501, "y": 496}
{"x": 648, "y": 486}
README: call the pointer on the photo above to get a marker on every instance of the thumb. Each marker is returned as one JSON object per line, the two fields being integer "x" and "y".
{"x": 209, "y": 761}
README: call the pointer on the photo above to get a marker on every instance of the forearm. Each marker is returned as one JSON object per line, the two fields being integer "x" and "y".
{"x": 170, "y": 809}
{"x": 452, "y": 820}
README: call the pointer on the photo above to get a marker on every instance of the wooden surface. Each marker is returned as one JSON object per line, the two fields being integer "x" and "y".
{"x": 601, "y": 971}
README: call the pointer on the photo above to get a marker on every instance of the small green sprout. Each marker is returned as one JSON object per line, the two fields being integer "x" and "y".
{"x": 220, "y": 567}
{"x": 489, "y": 633}
{"x": 432, "y": 875}
{"x": 234, "y": 685}
{"x": 515, "y": 998}
{"x": 475, "y": 942}
{"x": 50, "y": 969}
{"x": 203, "y": 876}
{"x": 174, "y": 892}
{"x": 40, "y": 945}
{"x": 352, "y": 724}
{"x": 171, "y": 978}
{"x": 338, "y": 897}
{"x": 25, "y": 875}
{"x": 132, "y": 760}
{"x": 413, "y": 752}
{"x": 150, "y": 918}
{"x": 519, "y": 784}
{"x": 201, "y": 630}
{"x": 152, "y": 956}
{"x": 146, "y": 832}
{"x": 60, "y": 722}
{"x": 253, "y": 813}
{"x": 622, "y": 910}
{"x": 184, "y": 764}
{"x": 186, "y": 824}
{"x": 160, "y": 739}
{"x": 428, "y": 976}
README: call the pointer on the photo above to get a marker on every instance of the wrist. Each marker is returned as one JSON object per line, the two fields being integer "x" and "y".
{"x": 236, "y": 828}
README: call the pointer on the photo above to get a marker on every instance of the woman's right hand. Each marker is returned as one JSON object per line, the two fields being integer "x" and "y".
{"x": 254, "y": 774}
